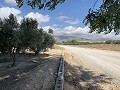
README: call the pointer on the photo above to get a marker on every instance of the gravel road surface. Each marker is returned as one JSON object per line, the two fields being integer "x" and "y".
{"x": 106, "y": 61}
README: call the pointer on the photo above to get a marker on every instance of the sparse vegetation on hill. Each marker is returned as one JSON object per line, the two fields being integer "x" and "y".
{"x": 112, "y": 42}
{"x": 75, "y": 42}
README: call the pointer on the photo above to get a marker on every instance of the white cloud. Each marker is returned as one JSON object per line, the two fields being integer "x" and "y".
{"x": 11, "y": 2}
{"x": 82, "y": 33}
{"x": 5, "y": 12}
{"x": 73, "y": 22}
{"x": 55, "y": 30}
{"x": 75, "y": 31}
{"x": 63, "y": 17}
{"x": 19, "y": 18}
{"x": 39, "y": 17}
{"x": 69, "y": 28}
{"x": 46, "y": 28}
{"x": 111, "y": 35}
{"x": 55, "y": 25}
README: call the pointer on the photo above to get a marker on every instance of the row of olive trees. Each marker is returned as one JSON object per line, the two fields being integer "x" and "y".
{"x": 16, "y": 38}
{"x": 70, "y": 42}
{"x": 75, "y": 42}
{"x": 112, "y": 42}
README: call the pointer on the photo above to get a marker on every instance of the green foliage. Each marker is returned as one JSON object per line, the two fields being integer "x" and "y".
{"x": 27, "y": 32}
{"x": 106, "y": 18}
{"x": 50, "y": 31}
{"x": 40, "y": 4}
{"x": 34, "y": 38}
{"x": 71, "y": 42}
{"x": 112, "y": 42}
{"x": 48, "y": 41}
{"x": 74, "y": 42}
{"x": 8, "y": 34}
{"x": 15, "y": 38}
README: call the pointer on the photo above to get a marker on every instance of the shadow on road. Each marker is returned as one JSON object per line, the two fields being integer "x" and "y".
{"x": 77, "y": 78}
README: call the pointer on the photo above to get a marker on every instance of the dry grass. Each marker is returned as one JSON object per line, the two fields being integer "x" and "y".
{"x": 58, "y": 47}
{"x": 111, "y": 47}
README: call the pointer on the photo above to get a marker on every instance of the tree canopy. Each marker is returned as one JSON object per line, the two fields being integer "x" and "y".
{"x": 40, "y": 4}
{"x": 8, "y": 36}
{"x": 16, "y": 38}
{"x": 105, "y": 19}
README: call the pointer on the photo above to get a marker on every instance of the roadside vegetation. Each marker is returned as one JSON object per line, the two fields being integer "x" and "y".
{"x": 75, "y": 42}
{"x": 16, "y": 38}
{"x": 112, "y": 42}
{"x": 112, "y": 45}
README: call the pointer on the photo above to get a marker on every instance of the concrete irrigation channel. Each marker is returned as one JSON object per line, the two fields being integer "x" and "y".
{"x": 60, "y": 77}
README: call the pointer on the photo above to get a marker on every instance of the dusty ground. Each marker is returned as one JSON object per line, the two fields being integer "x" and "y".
{"x": 31, "y": 72}
{"x": 80, "y": 75}
{"x": 111, "y": 47}
{"x": 39, "y": 73}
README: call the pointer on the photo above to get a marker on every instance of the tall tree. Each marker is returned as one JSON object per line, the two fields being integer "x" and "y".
{"x": 15, "y": 38}
{"x": 8, "y": 31}
{"x": 27, "y": 32}
{"x": 34, "y": 38}
{"x": 38, "y": 40}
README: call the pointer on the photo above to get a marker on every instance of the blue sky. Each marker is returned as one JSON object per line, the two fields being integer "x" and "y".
{"x": 66, "y": 19}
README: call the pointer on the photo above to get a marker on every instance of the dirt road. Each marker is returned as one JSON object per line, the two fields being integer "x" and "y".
{"x": 107, "y": 62}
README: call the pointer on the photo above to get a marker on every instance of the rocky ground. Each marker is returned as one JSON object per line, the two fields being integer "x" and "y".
{"x": 40, "y": 72}
{"x": 31, "y": 72}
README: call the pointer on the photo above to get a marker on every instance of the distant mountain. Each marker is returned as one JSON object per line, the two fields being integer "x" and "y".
{"x": 61, "y": 38}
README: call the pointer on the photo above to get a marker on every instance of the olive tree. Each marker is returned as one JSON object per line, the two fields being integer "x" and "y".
{"x": 48, "y": 41}
{"x": 15, "y": 38}
{"x": 28, "y": 27}
{"x": 34, "y": 38}
{"x": 38, "y": 40}
{"x": 8, "y": 33}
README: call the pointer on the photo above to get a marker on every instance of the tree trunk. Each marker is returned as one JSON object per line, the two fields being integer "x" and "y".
{"x": 18, "y": 50}
{"x": 12, "y": 53}
{"x": 14, "y": 59}
{"x": 37, "y": 52}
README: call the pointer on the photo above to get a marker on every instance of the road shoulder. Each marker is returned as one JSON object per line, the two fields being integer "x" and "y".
{"x": 81, "y": 75}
